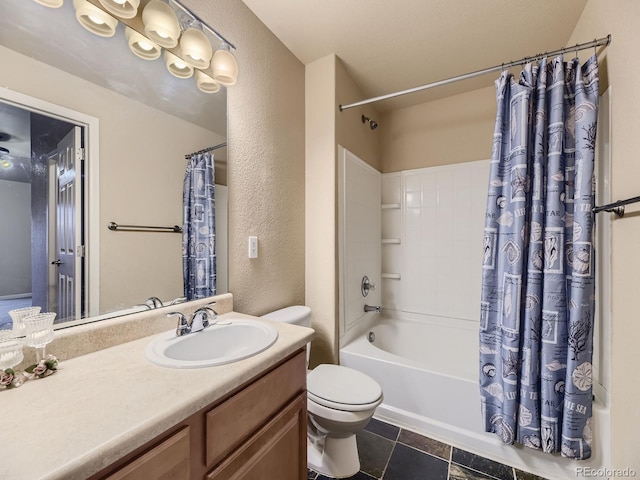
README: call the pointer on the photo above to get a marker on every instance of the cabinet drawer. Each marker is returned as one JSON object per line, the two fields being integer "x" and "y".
{"x": 277, "y": 451}
{"x": 169, "y": 460}
{"x": 233, "y": 421}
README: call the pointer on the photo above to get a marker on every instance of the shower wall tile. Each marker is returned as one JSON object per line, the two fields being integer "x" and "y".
{"x": 441, "y": 222}
{"x": 391, "y": 188}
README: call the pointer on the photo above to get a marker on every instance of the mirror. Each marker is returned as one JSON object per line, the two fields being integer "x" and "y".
{"x": 135, "y": 123}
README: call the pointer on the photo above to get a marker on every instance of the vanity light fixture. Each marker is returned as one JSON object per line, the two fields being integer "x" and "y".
{"x": 225, "y": 66}
{"x": 195, "y": 48}
{"x": 121, "y": 8}
{"x": 176, "y": 66}
{"x": 161, "y": 24}
{"x": 205, "y": 83}
{"x": 141, "y": 46}
{"x": 50, "y": 3}
{"x": 95, "y": 20}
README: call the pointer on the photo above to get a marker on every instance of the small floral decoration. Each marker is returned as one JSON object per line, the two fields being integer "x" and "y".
{"x": 9, "y": 378}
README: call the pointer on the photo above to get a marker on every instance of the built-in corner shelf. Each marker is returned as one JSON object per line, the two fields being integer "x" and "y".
{"x": 390, "y": 241}
{"x": 390, "y": 206}
{"x": 391, "y": 276}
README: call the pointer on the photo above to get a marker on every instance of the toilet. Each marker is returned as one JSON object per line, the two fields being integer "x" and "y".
{"x": 340, "y": 403}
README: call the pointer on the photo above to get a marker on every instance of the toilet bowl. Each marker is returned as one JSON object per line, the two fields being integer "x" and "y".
{"x": 340, "y": 403}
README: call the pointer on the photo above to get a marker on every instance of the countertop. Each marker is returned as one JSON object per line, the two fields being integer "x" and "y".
{"x": 100, "y": 406}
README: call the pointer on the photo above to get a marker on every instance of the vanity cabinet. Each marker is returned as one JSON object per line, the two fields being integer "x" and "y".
{"x": 167, "y": 461}
{"x": 258, "y": 432}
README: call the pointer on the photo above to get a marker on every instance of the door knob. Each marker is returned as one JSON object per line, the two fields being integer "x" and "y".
{"x": 56, "y": 262}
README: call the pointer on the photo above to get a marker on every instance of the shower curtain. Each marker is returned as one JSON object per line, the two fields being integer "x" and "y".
{"x": 199, "y": 228}
{"x": 537, "y": 305}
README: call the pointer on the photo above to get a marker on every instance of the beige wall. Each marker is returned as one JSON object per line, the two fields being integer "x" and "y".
{"x": 620, "y": 70}
{"x": 328, "y": 85}
{"x": 430, "y": 133}
{"x": 141, "y": 172}
{"x": 265, "y": 161}
{"x": 320, "y": 207}
{"x": 351, "y": 133}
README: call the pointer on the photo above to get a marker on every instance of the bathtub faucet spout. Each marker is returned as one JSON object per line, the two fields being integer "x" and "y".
{"x": 370, "y": 308}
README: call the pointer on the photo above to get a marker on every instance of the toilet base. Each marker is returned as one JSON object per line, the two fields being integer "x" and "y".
{"x": 339, "y": 459}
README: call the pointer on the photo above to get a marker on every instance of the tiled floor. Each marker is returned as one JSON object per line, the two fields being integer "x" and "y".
{"x": 388, "y": 452}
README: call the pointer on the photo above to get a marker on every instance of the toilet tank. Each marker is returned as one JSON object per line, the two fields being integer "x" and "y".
{"x": 297, "y": 315}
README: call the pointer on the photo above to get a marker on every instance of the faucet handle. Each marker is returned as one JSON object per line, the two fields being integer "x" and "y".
{"x": 183, "y": 326}
{"x": 203, "y": 314}
{"x": 153, "y": 302}
{"x": 210, "y": 307}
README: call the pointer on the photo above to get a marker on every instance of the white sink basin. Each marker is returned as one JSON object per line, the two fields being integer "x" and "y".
{"x": 228, "y": 341}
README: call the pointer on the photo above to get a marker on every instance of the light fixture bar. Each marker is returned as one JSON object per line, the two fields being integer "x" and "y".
{"x": 212, "y": 30}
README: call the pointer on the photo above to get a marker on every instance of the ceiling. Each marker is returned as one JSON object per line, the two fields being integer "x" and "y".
{"x": 388, "y": 46}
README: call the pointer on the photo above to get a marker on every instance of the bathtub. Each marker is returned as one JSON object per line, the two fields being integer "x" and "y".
{"x": 428, "y": 371}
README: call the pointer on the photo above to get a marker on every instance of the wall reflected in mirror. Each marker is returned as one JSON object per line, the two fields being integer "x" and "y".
{"x": 133, "y": 172}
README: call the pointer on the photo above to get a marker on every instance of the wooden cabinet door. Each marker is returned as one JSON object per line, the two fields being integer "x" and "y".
{"x": 277, "y": 451}
{"x": 167, "y": 461}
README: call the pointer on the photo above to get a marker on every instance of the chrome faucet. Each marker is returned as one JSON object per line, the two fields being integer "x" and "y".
{"x": 153, "y": 302}
{"x": 369, "y": 308}
{"x": 183, "y": 324}
{"x": 201, "y": 319}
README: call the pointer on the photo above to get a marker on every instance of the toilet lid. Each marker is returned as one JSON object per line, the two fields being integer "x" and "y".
{"x": 341, "y": 385}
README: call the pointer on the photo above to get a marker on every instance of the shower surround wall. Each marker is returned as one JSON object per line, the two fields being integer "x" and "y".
{"x": 432, "y": 222}
{"x": 358, "y": 241}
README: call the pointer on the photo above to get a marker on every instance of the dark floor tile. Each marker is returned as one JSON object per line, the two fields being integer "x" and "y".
{"x": 458, "y": 472}
{"x": 425, "y": 444}
{"x": 407, "y": 463}
{"x": 520, "y": 475}
{"x": 357, "y": 476}
{"x": 481, "y": 464}
{"x": 383, "y": 429}
{"x": 374, "y": 452}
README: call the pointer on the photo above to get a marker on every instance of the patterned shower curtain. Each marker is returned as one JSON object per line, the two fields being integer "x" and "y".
{"x": 199, "y": 228}
{"x": 537, "y": 306}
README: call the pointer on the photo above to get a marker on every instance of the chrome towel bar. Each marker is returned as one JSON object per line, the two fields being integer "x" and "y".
{"x": 143, "y": 228}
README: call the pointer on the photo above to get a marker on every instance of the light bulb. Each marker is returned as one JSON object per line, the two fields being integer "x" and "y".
{"x": 205, "y": 83}
{"x": 146, "y": 46}
{"x": 176, "y": 66}
{"x": 95, "y": 20}
{"x": 121, "y": 8}
{"x": 141, "y": 46}
{"x": 225, "y": 67}
{"x": 195, "y": 48}
{"x": 6, "y": 164}
{"x": 161, "y": 24}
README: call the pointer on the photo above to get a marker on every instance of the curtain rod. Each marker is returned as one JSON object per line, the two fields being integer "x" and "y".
{"x": 579, "y": 46}
{"x": 205, "y": 150}
{"x": 616, "y": 207}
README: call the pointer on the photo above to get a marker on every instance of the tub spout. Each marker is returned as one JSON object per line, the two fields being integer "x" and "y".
{"x": 370, "y": 308}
